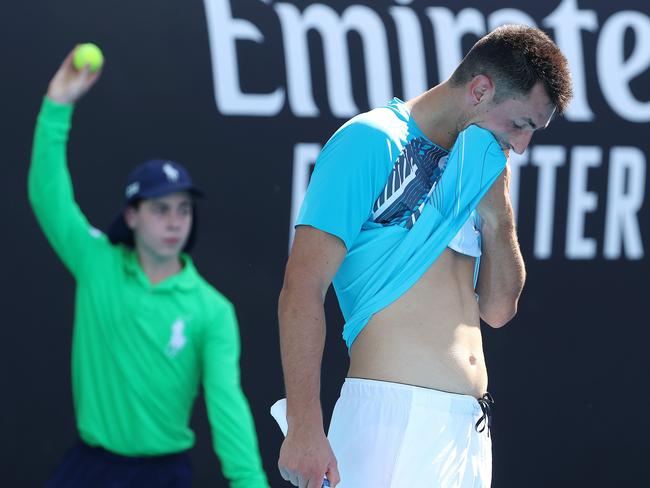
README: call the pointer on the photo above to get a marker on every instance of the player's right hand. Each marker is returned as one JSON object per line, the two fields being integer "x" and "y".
{"x": 70, "y": 84}
{"x": 306, "y": 457}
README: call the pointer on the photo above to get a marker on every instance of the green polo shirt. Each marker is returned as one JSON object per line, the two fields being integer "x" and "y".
{"x": 140, "y": 351}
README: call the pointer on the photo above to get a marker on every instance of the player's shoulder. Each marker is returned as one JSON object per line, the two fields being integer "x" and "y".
{"x": 380, "y": 123}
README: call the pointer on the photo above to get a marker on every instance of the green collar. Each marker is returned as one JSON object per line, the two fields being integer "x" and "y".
{"x": 185, "y": 279}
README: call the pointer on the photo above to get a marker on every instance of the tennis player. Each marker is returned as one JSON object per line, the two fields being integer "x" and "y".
{"x": 408, "y": 214}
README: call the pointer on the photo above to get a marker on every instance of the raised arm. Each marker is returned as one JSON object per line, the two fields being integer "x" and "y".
{"x": 49, "y": 183}
{"x": 502, "y": 274}
{"x": 233, "y": 429}
{"x": 306, "y": 455}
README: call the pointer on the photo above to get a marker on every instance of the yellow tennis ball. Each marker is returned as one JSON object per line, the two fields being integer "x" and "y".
{"x": 88, "y": 55}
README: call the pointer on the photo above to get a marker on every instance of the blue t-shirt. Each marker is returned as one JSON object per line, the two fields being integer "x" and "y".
{"x": 396, "y": 200}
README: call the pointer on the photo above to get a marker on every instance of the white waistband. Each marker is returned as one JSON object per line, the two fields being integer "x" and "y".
{"x": 414, "y": 395}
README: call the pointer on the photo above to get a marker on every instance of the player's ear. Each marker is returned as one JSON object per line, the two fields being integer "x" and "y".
{"x": 481, "y": 89}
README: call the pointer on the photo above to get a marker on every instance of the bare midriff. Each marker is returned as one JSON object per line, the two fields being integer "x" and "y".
{"x": 430, "y": 336}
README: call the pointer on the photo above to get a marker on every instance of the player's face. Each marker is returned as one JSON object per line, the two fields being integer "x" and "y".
{"x": 514, "y": 119}
{"x": 162, "y": 225}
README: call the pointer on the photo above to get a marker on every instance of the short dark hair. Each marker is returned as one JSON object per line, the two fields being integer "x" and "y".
{"x": 516, "y": 57}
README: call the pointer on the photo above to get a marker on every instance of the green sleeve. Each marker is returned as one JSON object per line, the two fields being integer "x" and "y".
{"x": 233, "y": 429}
{"x": 50, "y": 189}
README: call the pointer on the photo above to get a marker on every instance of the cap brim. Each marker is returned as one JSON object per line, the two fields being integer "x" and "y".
{"x": 159, "y": 192}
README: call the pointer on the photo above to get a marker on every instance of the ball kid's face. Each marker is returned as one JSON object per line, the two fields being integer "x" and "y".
{"x": 514, "y": 119}
{"x": 161, "y": 226}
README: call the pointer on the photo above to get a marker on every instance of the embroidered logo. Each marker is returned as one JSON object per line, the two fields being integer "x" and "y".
{"x": 177, "y": 341}
{"x": 171, "y": 172}
{"x": 132, "y": 189}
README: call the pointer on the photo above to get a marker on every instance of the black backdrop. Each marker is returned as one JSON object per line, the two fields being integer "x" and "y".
{"x": 569, "y": 373}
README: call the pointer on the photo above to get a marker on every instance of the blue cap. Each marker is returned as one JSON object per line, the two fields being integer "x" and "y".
{"x": 158, "y": 177}
{"x": 152, "y": 179}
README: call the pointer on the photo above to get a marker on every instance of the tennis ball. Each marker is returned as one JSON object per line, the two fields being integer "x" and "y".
{"x": 88, "y": 55}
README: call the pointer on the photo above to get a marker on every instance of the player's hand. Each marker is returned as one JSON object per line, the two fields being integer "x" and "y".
{"x": 70, "y": 84}
{"x": 306, "y": 457}
{"x": 496, "y": 205}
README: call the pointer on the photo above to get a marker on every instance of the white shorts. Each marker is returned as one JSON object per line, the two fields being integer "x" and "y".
{"x": 388, "y": 435}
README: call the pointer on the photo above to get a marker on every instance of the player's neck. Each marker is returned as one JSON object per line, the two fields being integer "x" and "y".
{"x": 439, "y": 113}
{"x": 158, "y": 268}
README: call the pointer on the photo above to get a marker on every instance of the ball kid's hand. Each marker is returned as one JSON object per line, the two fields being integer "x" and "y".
{"x": 70, "y": 84}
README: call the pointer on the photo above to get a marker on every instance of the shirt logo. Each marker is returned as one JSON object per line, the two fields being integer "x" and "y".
{"x": 171, "y": 172}
{"x": 177, "y": 341}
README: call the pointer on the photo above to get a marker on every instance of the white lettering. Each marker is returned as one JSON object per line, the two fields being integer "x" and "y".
{"x": 615, "y": 72}
{"x": 581, "y": 202}
{"x": 449, "y": 31}
{"x": 567, "y": 20}
{"x": 547, "y": 159}
{"x": 333, "y": 29}
{"x": 411, "y": 52}
{"x": 626, "y": 193}
{"x": 223, "y": 32}
{"x": 622, "y": 224}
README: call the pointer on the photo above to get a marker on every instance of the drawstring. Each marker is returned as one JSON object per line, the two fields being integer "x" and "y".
{"x": 486, "y": 402}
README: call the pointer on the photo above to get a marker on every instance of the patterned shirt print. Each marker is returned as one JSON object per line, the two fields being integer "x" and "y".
{"x": 415, "y": 174}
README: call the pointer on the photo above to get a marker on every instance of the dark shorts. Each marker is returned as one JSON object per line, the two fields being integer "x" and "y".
{"x": 85, "y": 466}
